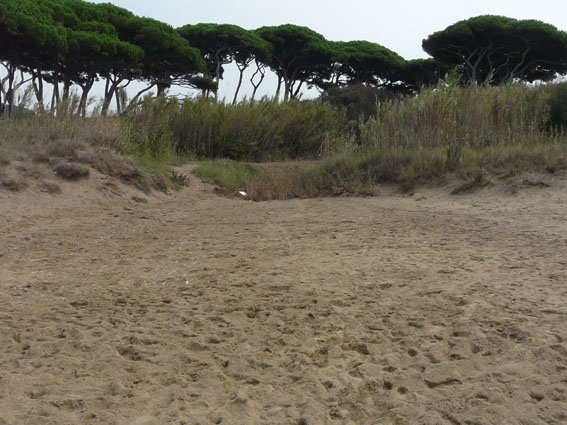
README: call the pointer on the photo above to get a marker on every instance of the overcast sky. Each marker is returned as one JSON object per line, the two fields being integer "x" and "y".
{"x": 399, "y": 25}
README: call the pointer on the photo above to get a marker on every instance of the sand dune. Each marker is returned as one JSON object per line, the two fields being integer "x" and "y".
{"x": 197, "y": 309}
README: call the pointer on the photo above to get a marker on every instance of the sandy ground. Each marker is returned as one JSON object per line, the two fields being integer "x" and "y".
{"x": 198, "y": 309}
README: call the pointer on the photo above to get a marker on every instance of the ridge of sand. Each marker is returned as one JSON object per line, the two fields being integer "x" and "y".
{"x": 197, "y": 309}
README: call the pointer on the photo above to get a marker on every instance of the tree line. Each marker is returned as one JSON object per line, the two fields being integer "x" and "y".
{"x": 67, "y": 43}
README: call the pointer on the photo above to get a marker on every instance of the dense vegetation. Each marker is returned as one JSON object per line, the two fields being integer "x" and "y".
{"x": 474, "y": 133}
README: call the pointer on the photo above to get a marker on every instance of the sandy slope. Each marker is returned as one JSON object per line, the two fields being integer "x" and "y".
{"x": 198, "y": 309}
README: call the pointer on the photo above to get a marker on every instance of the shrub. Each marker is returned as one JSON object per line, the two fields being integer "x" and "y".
{"x": 358, "y": 100}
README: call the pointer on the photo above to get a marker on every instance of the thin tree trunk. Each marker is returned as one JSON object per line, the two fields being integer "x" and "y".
{"x": 52, "y": 106}
{"x": 66, "y": 89}
{"x": 86, "y": 88}
{"x": 217, "y": 75}
{"x": 55, "y": 98}
{"x": 259, "y": 69}
{"x": 107, "y": 99}
{"x": 241, "y": 69}
{"x": 117, "y": 99}
{"x": 37, "y": 82}
{"x": 10, "y": 91}
{"x": 296, "y": 92}
{"x": 287, "y": 89}
{"x": 279, "y": 88}
{"x": 133, "y": 101}
{"x": 110, "y": 90}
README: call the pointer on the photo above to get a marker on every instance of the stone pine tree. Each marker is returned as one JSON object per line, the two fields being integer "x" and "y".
{"x": 418, "y": 73}
{"x": 363, "y": 62}
{"x": 246, "y": 48}
{"x": 497, "y": 49}
{"x": 221, "y": 44}
{"x": 299, "y": 55}
{"x": 30, "y": 41}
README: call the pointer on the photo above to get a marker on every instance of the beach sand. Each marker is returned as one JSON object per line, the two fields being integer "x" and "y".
{"x": 193, "y": 308}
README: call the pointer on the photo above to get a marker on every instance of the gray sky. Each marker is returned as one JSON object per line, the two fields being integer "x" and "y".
{"x": 399, "y": 25}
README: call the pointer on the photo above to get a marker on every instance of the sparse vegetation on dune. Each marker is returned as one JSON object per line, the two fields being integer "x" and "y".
{"x": 41, "y": 147}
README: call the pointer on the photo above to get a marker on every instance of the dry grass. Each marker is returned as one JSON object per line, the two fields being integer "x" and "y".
{"x": 458, "y": 117}
{"x": 12, "y": 184}
{"x": 360, "y": 174}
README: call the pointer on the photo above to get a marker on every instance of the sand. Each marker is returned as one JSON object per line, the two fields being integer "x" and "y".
{"x": 193, "y": 308}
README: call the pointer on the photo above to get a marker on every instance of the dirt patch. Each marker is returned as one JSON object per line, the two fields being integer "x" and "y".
{"x": 194, "y": 308}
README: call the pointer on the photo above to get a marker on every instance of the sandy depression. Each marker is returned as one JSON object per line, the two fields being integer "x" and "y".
{"x": 193, "y": 308}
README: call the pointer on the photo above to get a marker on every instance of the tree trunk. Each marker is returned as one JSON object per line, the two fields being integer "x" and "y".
{"x": 10, "y": 91}
{"x": 241, "y": 69}
{"x": 3, "y": 92}
{"x": 37, "y": 82}
{"x": 259, "y": 69}
{"x": 161, "y": 88}
{"x": 287, "y": 89}
{"x": 296, "y": 92}
{"x": 107, "y": 97}
{"x": 110, "y": 90}
{"x": 52, "y": 106}
{"x": 117, "y": 99}
{"x": 86, "y": 88}
{"x": 66, "y": 89}
{"x": 279, "y": 88}
{"x": 135, "y": 99}
{"x": 217, "y": 77}
{"x": 55, "y": 98}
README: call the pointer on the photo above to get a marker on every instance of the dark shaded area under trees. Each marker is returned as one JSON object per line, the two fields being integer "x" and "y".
{"x": 73, "y": 43}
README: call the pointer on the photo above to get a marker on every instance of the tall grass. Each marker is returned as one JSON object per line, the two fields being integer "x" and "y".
{"x": 251, "y": 130}
{"x": 472, "y": 116}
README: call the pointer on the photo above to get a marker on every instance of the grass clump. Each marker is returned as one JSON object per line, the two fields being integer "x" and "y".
{"x": 12, "y": 184}
{"x": 71, "y": 171}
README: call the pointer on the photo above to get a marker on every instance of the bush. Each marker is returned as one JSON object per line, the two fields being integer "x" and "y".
{"x": 358, "y": 100}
